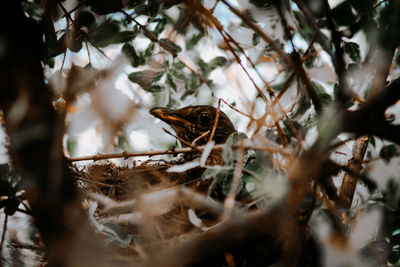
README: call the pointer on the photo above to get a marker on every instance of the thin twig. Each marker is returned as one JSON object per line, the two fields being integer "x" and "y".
{"x": 257, "y": 29}
{"x": 215, "y": 121}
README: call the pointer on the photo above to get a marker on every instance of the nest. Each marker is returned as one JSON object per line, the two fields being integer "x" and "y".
{"x": 155, "y": 208}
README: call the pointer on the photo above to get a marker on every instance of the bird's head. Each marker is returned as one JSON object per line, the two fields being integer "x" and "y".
{"x": 192, "y": 122}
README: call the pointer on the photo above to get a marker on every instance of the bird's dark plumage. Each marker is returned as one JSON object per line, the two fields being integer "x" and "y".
{"x": 192, "y": 122}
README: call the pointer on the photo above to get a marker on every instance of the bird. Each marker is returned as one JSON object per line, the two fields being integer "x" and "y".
{"x": 194, "y": 125}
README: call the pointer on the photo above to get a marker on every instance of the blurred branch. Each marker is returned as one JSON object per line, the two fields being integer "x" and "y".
{"x": 274, "y": 231}
{"x": 370, "y": 118}
{"x": 338, "y": 57}
{"x": 35, "y": 135}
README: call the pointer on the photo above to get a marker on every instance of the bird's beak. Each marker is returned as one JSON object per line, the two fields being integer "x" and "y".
{"x": 169, "y": 116}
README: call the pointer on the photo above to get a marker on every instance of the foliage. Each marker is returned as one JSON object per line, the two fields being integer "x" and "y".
{"x": 305, "y": 77}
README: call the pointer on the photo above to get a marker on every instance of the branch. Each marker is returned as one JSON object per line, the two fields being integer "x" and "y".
{"x": 350, "y": 181}
{"x": 35, "y": 136}
{"x": 370, "y": 118}
{"x": 126, "y": 155}
{"x": 297, "y": 65}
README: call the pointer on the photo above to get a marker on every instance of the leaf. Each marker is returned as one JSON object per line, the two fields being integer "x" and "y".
{"x": 155, "y": 88}
{"x": 146, "y": 78}
{"x": 227, "y": 185}
{"x": 84, "y": 18}
{"x": 149, "y": 50}
{"x": 71, "y": 146}
{"x": 123, "y": 143}
{"x": 228, "y": 153}
{"x": 33, "y": 10}
{"x": 171, "y": 45}
{"x": 325, "y": 98}
{"x": 255, "y": 40}
{"x": 363, "y": 6}
{"x": 103, "y": 7}
{"x": 343, "y": 15}
{"x": 129, "y": 51}
{"x": 104, "y": 34}
{"x": 153, "y": 7}
{"x": 117, "y": 234}
{"x": 303, "y": 104}
{"x": 217, "y": 62}
{"x": 193, "y": 83}
{"x": 179, "y": 65}
{"x": 388, "y": 152}
{"x": 372, "y": 140}
{"x": 353, "y": 51}
{"x": 177, "y": 74}
{"x": 160, "y": 26}
{"x": 123, "y": 37}
{"x": 192, "y": 42}
{"x": 50, "y": 34}
{"x": 204, "y": 67}
{"x": 170, "y": 81}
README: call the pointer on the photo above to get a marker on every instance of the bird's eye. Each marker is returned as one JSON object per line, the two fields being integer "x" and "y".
{"x": 204, "y": 118}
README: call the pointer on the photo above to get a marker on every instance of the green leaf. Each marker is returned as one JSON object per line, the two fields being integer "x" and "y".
{"x": 372, "y": 140}
{"x": 204, "y": 67}
{"x": 154, "y": 7}
{"x": 84, "y": 18}
{"x": 303, "y": 105}
{"x": 156, "y": 88}
{"x": 228, "y": 154}
{"x": 227, "y": 184}
{"x": 255, "y": 40}
{"x": 50, "y": 34}
{"x": 325, "y": 98}
{"x": 193, "y": 82}
{"x": 363, "y": 6}
{"x": 104, "y": 34}
{"x": 343, "y": 15}
{"x": 123, "y": 37}
{"x": 33, "y": 10}
{"x": 353, "y": 51}
{"x": 149, "y": 50}
{"x": 160, "y": 26}
{"x": 178, "y": 74}
{"x": 103, "y": 7}
{"x": 388, "y": 152}
{"x": 217, "y": 62}
{"x": 171, "y": 45}
{"x": 129, "y": 51}
{"x": 170, "y": 81}
{"x": 124, "y": 143}
{"x": 179, "y": 65}
{"x": 145, "y": 78}
{"x": 192, "y": 42}
{"x": 71, "y": 146}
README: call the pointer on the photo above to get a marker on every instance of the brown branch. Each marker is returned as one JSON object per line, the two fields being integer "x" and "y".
{"x": 126, "y": 155}
{"x": 350, "y": 181}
